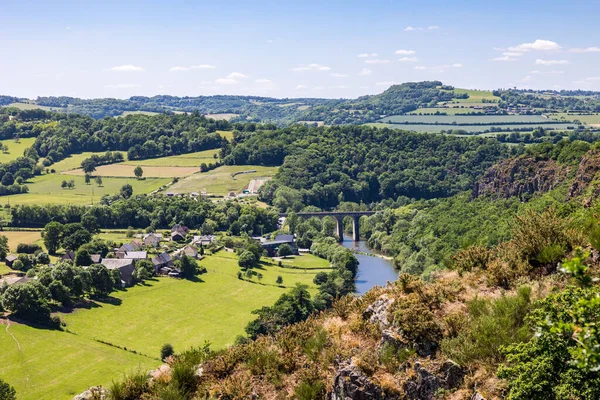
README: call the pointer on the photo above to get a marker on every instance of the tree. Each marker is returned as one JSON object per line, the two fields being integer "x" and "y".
{"x": 101, "y": 279}
{"x": 144, "y": 269}
{"x": 126, "y": 191}
{"x": 247, "y": 259}
{"x": 188, "y": 266}
{"x": 64, "y": 184}
{"x": 88, "y": 166}
{"x": 71, "y": 184}
{"x": 3, "y": 247}
{"x": 259, "y": 276}
{"x": 200, "y": 251}
{"x": 279, "y": 280}
{"x": 166, "y": 351}
{"x": 90, "y": 222}
{"x": 52, "y": 235}
{"x": 8, "y": 179}
{"x": 285, "y": 250}
{"x": 7, "y": 392}
{"x": 83, "y": 258}
{"x": 203, "y": 167}
{"x": 28, "y": 301}
{"x": 320, "y": 278}
{"x": 74, "y": 236}
{"x": 138, "y": 171}
{"x": 99, "y": 181}
{"x": 88, "y": 178}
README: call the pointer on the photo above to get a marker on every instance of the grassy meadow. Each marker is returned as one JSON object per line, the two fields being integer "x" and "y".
{"x": 15, "y": 150}
{"x": 467, "y": 128}
{"x": 29, "y": 106}
{"x": 219, "y": 181}
{"x": 74, "y": 161}
{"x": 476, "y": 96}
{"x": 465, "y": 119}
{"x": 121, "y": 170}
{"x": 589, "y": 119}
{"x": 182, "y": 160}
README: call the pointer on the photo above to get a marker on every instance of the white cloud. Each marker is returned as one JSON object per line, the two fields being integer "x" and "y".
{"x": 366, "y": 55}
{"x": 526, "y": 79}
{"x": 264, "y": 81}
{"x": 311, "y": 67}
{"x": 408, "y": 59}
{"x": 433, "y": 27}
{"x": 127, "y": 68}
{"x": 410, "y": 28}
{"x": 226, "y": 81}
{"x": 338, "y": 75}
{"x": 504, "y": 58}
{"x": 122, "y": 86}
{"x": 236, "y": 75}
{"x": 299, "y": 87}
{"x": 586, "y": 50}
{"x": 457, "y": 65}
{"x": 365, "y": 72}
{"x": 538, "y": 45}
{"x": 377, "y": 61}
{"x": 553, "y": 72}
{"x": 512, "y": 54}
{"x": 417, "y": 28}
{"x": 176, "y": 69}
{"x": 552, "y": 62}
{"x": 405, "y": 52}
{"x": 203, "y": 66}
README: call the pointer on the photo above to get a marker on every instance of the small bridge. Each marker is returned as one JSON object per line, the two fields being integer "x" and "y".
{"x": 339, "y": 217}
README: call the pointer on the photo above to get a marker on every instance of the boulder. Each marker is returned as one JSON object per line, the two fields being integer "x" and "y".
{"x": 350, "y": 383}
{"x": 426, "y": 384}
{"x": 93, "y": 393}
{"x": 377, "y": 312}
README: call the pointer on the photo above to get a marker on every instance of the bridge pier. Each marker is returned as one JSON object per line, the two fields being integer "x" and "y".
{"x": 340, "y": 227}
{"x": 356, "y": 228}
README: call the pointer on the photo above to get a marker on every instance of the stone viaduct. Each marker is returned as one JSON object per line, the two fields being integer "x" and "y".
{"x": 339, "y": 217}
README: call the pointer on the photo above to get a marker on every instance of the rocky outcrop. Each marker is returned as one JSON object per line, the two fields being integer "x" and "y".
{"x": 350, "y": 383}
{"x": 426, "y": 384}
{"x": 93, "y": 393}
{"x": 521, "y": 177}
{"x": 377, "y": 313}
{"x": 586, "y": 173}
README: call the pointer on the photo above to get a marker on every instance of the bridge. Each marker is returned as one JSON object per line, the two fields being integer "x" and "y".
{"x": 339, "y": 217}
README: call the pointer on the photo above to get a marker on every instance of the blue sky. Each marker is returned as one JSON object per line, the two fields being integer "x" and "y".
{"x": 293, "y": 49}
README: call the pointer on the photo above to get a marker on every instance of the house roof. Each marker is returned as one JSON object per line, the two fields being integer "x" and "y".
{"x": 180, "y": 228}
{"x": 162, "y": 258}
{"x": 116, "y": 263}
{"x": 11, "y": 257}
{"x": 134, "y": 245}
{"x": 96, "y": 258}
{"x": 136, "y": 255}
{"x": 69, "y": 255}
{"x": 190, "y": 250}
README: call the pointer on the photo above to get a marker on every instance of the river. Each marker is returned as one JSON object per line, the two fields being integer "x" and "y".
{"x": 372, "y": 270}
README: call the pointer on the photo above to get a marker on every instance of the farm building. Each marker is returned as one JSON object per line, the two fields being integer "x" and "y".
{"x": 271, "y": 246}
{"x": 190, "y": 251}
{"x": 14, "y": 280}
{"x": 162, "y": 260}
{"x": 10, "y": 259}
{"x": 96, "y": 258}
{"x": 204, "y": 240}
{"x": 135, "y": 255}
{"x": 134, "y": 245}
{"x": 124, "y": 266}
{"x": 179, "y": 232}
{"x": 152, "y": 239}
{"x": 69, "y": 256}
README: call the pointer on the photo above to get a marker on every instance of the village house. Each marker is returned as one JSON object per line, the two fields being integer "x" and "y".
{"x": 190, "y": 251}
{"x": 125, "y": 267}
{"x": 179, "y": 233}
{"x": 161, "y": 261}
{"x": 68, "y": 256}
{"x": 10, "y": 259}
{"x": 204, "y": 240}
{"x": 96, "y": 258}
{"x": 134, "y": 245}
{"x": 272, "y": 246}
{"x": 14, "y": 280}
{"x": 135, "y": 255}
{"x": 152, "y": 239}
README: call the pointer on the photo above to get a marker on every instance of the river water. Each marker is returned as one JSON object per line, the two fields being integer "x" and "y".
{"x": 372, "y": 271}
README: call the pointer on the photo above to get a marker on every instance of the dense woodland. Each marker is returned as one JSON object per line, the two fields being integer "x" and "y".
{"x": 559, "y": 101}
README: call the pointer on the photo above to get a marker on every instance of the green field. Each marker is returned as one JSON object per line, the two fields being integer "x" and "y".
{"x": 58, "y": 365}
{"x": 126, "y": 113}
{"x": 466, "y": 119}
{"x": 476, "y": 96}
{"x": 447, "y": 110}
{"x": 225, "y": 116}
{"x": 47, "y": 189}
{"x": 220, "y": 182}
{"x": 468, "y": 128}
{"x": 29, "y": 106}
{"x": 182, "y": 160}
{"x": 589, "y": 119}
{"x": 15, "y": 150}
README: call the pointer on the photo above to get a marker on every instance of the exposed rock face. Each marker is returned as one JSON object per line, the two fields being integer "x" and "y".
{"x": 351, "y": 384}
{"x": 586, "y": 173}
{"x": 377, "y": 313}
{"x": 521, "y": 176}
{"x": 93, "y": 393}
{"x": 426, "y": 384}
{"x": 477, "y": 396}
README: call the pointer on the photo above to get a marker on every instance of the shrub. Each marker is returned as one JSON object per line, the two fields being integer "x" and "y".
{"x": 28, "y": 248}
{"x": 166, "y": 351}
{"x": 132, "y": 387}
{"x": 310, "y": 390}
{"x": 7, "y": 392}
{"x": 183, "y": 376}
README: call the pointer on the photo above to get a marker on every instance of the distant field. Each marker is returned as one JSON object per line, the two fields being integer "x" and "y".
{"x": 16, "y": 237}
{"x": 220, "y": 182}
{"x": 15, "y": 150}
{"x": 126, "y": 113}
{"x": 449, "y": 110}
{"x": 122, "y": 170}
{"x": 55, "y": 365}
{"x": 465, "y": 119}
{"x": 225, "y": 116}
{"x": 468, "y": 128}
{"x": 182, "y": 160}
{"x": 47, "y": 189}
{"x": 476, "y": 96}
{"x": 28, "y": 106}
{"x": 226, "y": 134}
{"x": 590, "y": 119}
{"x": 319, "y": 123}
{"x": 74, "y": 161}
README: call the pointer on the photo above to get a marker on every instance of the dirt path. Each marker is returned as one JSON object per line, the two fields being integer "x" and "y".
{"x": 13, "y": 336}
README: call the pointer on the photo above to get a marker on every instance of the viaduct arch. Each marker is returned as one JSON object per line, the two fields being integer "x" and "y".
{"x": 339, "y": 217}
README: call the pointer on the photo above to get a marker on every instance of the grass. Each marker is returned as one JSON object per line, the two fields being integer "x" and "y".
{"x": 589, "y": 119}
{"x": 226, "y": 134}
{"x": 220, "y": 182}
{"x": 15, "y": 150}
{"x": 126, "y": 113}
{"x": 74, "y": 161}
{"x": 16, "y": 237}
{"x": 47, "y": 189}
{"x": 29, "y": 106}
{"x": 475, "y": 96}
{"x": 466, "y": 119}
{"x": 58, "y": 365}
{"x": 216, "y": 309}
{"x": 468, "y": 128}
{"x": 182, "y": 160}
{"x": 122, "y": 170}
{"x": 446, "y": 110}
{"x": 225, "y": 116}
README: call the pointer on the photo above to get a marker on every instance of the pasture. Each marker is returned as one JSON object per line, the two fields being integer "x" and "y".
{"x": 74, "y": 161}
{"x": 47, "y": 189}
{"x": 54, "y": 365}
{"x": 225, "y": 116}
{"x": 468, "y": 128}
{"x": 182, "y": 160}
{"x": 122, "y": 170}
{"x": 447, "y": 110}
{"x": 220, "y": 180}
{"x": 588, "y": 119}
{"x": 30, "y": 106}
{"x": 15, "y": 150}
{"x": 16, "y": 237}
{"x": 476, "y": 96}
{"x": 465, "y": 119}
{"x": 216, "y": 308}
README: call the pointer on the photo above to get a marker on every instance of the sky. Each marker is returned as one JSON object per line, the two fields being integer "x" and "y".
{"x": 333, "y": 49}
